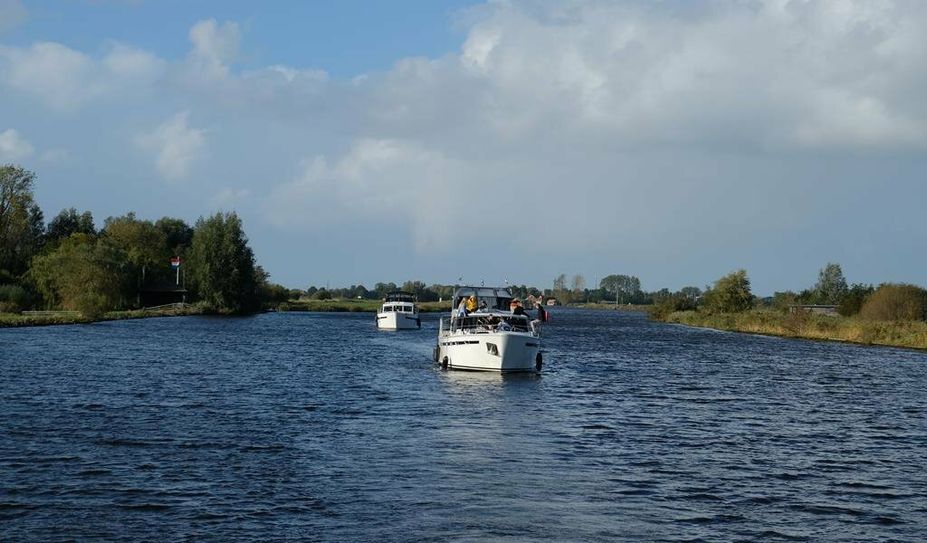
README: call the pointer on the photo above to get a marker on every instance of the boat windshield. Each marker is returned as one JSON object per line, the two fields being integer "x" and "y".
{"x": 400, "y": 297}
{"x": 494, "y": 297}
{"x": 491, "y": 322}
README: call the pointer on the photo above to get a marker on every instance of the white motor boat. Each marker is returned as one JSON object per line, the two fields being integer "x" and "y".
{"x": 398, "y": 312}
{"x": 491, "y": 338}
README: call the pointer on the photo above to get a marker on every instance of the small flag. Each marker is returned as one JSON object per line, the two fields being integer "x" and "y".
{"x": 175, "y": 262}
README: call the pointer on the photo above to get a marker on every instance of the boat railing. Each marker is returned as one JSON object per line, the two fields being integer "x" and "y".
{"x": 476, "y": 323}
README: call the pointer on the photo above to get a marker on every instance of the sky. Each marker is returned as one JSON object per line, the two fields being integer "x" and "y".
{"x": 505, "y": 141}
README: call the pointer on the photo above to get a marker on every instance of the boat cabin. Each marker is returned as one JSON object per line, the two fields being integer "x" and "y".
{"x": 400, "y": 302}
{"x": 497, "y": 299}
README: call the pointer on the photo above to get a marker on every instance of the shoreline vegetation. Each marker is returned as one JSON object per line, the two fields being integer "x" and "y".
{"x": 50, "y": 318}
{"x": 801, "y": 325}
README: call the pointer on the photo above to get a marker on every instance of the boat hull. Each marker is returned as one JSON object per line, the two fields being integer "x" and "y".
{"x": 505, "y": 352}
{"x": 398, "y": 321}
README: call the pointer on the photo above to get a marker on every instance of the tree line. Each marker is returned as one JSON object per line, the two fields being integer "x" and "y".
{"x": 732, "y": 294}
{"x": 70, "y": 264}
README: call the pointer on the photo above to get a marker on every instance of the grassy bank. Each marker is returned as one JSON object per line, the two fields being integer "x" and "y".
{"x": 13, "y": 320}
{"x": 614, "y": 307}
{"x": 354, "y": 306}
{"x": 909, "y": 334}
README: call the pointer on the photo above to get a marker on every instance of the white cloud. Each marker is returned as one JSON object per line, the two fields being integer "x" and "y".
{"x": 66, "y": 79}
{"x": 176, "y": 146}
{"x": 215, "y": 46}
{"x": 14, "y": 147}
{"x": 390, "y": 182}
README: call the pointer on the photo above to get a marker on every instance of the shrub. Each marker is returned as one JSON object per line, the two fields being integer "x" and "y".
{"x": 731, "y": 294}
{"x": 13, "y": 299}
{"x": 853, "y": 300}
{"x": 896, "y": 302}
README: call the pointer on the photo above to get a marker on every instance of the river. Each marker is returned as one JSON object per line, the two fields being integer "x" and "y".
{"x": 318, "y": 427}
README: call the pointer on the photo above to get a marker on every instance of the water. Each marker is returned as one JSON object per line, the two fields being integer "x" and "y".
{"x": 318, "y": 427}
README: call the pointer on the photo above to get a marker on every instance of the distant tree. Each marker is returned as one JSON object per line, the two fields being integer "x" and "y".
{"x": 322, "y": 294}
{"x": 21, "y": 227}
{"x": 831, "y": 285}
{"x": 730, "y": 294}
{"x": 82, "y": 274}
{"x": 852, "y": 302}
{"x": 579, "y": 287}
{"x": 178, "y": 235}
{"x": 624, "y": 288}
{"x": 783, "y": 300}
{"x": 382, "y": 289}
{"x": 221, "y": 265}
{"x": 144, "y": 244}
{"x": 68, "y": 222}
{"x": 896, "y": 302}
{"x": 691, "y": 293}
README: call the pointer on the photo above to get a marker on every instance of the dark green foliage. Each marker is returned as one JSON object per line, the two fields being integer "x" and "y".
{"x": 82, "y": 274}
{"x": 852, "y": 302}
{"x": 68, "y": 222}
{"x": 178, "y": 235}
{"x": 731, "y": 294}
{"x": 221, "y": 265}
{"x": 896, "y": 302}
{"x": 623, "y": 288}
{"x": 21, "y": 226}
{"x": 13, "y": 299}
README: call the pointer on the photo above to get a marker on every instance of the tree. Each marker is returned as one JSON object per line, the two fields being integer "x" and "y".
{"x": 731, "y": 293}
{"x": 831, "y": 285}
{"x": 896, "y": 302}
{"x": 221, "y": 265}
{"x": 623, "y": 288}
{"x": 68, "y": 222}
{"x": 560, "y": 283}
{"x": 21, "y": 226}
{"x": 852, "y": 302}
{"x": 579, "y": 286}
{"x": 144, "y": 244}
{"x": 691, "y": 293}
{"x": 81, "y": 274}
{"x": 177, "y": 233}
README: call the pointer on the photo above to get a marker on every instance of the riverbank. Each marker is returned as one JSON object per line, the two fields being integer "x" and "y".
{"x": 614, "y": 307}
{"x": 354, "y": 306}
{"x": 912, "y": 335}
{"x": 15, "y": 320}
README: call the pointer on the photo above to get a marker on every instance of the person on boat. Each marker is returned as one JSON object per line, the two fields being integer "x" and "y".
{"x": 462, "y": 308}
{"x": 542, "y": 314}
{"x": 517, "y": 308}
{"x": 482, "y": 305}
{"x": 471, "y": 304}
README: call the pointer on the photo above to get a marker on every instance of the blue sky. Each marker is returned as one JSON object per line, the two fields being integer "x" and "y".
{"x": 389, "y": 141}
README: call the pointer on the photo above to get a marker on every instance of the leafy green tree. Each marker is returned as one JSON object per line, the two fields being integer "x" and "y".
{"x": 221, "y": 265}
{"x": 896, "y": 302}
{"x": 623, "y": 288}
{"x": 144, "y": 244}
{"x": 81, "y": 274}
{"x": 21, "y": 221}
{"x": 852, "y": 302}
{"x": 68, "y": 222}
{"x": 831, "y": 285}
{"x": 178, "y": 235}
{"x": 730, "y": 294}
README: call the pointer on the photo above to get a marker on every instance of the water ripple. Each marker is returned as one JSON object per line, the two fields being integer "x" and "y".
{"x": 317, "y": 427}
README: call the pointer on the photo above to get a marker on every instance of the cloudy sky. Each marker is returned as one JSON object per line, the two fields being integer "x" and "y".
{"x": 379, "y": 141}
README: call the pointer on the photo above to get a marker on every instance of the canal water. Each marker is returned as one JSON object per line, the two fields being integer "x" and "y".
{"x": 318, "y": 427}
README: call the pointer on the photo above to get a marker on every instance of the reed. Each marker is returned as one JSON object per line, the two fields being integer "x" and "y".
{"x": 909, "y": 334}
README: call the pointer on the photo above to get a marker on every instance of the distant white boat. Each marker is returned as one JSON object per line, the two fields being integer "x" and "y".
{"x": 398, "y": 312}
{"x": 489, "y": 339}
